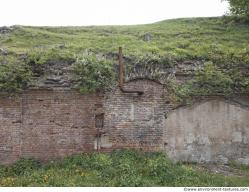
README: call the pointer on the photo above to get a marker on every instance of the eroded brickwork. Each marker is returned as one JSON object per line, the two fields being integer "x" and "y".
{"x": 50, "y": 124}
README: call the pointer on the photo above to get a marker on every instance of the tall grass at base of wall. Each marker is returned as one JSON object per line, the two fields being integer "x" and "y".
{"x": 119, "y": 168}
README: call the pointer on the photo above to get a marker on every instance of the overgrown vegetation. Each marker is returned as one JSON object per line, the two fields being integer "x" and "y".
{"x": 215, "y": 40}
{"x": 93, "y": 73}
{"x": 179, "y": 38}
{"x": 15, "y": 76}
{"x": 120, "y": 168}
{"x": 239, "y": 7}
{"x": 212, "y": 80}
{"x": 38, "y": 58}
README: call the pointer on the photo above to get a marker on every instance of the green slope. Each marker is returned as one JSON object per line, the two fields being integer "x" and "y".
{"x": 192, "y": 38}
{"x": 219, "y": 41}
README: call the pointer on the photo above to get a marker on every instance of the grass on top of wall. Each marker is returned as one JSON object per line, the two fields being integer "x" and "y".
{"x": 91, "y": 51}
{"x": 119, "y": 168}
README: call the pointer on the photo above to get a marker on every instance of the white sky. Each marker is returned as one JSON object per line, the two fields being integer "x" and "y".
{"x": 103, "y": 12}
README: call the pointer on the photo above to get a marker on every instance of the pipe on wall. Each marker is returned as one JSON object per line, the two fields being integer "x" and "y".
{"x": 122, "y": 75}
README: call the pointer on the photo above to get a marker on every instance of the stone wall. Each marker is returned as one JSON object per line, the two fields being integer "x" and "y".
{"x": 210, "y": 131}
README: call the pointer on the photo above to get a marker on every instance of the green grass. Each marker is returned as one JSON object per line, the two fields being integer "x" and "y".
{"x": 180, "y": 38}
{"x": 221, "y": 41}
{"x": 119, "y": 168}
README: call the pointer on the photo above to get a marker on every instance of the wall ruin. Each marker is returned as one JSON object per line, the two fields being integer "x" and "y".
{"x": 51, "y": 124}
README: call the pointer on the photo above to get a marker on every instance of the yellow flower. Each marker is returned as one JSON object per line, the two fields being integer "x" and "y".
{"x": 8, "y": 181}
{"x": 45, "y": 178}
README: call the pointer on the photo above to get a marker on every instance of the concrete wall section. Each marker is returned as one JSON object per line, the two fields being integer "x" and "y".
{"x": 211, "y": 131}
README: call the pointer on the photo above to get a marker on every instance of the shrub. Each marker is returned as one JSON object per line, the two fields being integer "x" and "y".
{"x": 239, "y": 7}
{"x": 100, "y": 161}
{"x": 161, "y": 168}
{"x": 210, "y": 80}
{"x": 93, "y": 74}
{"x": 24, "y": 165}
{"x": 15, "y": 76}
{"x": 3, "y": 171}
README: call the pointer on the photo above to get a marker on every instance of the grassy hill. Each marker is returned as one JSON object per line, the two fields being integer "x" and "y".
{"x": 181, "y": 38}
{"x": 218, "y": 40}
{"x": 219, "y": 45}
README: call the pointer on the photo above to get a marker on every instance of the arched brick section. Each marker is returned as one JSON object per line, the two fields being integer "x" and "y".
{"x": 136, "y": 121}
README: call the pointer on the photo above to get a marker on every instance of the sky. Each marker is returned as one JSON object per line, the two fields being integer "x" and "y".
{"x": 103, "y": 12}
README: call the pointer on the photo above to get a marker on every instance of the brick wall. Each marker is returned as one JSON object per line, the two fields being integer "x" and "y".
{"x": 47, "y": 125}
{"x": 10, "y": 126}
{"x": 136, "y": 121}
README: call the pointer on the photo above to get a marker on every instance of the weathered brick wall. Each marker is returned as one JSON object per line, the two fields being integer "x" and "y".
{"x": 136, "y": 121}
{"x": 10, "y": 126}
{"x": 47, "y": 125}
